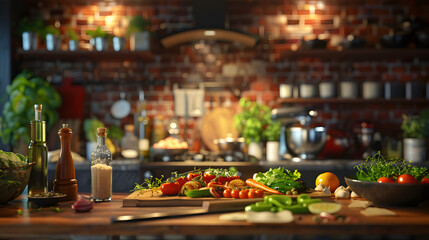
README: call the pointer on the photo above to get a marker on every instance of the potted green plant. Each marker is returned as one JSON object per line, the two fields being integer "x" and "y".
{"x": 52, "y": 37}
{"x": 73, "y": 39}
{"x": 414, "y": 132}
{"x": 24, "y": 91}
{"x": 139, "y": 33}
{"x": 272, "y": 135}
{"x": 251, "y": 122}
{"x": 30, "y": 30}
{"x": 99, "y": 38}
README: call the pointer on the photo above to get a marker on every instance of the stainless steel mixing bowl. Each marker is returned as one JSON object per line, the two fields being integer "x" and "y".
{"x": 305, "y": 142}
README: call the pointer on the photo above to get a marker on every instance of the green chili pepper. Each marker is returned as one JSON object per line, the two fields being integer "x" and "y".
{"x": 258, "y": 208}
{"x": 297, "y": 209}
{"x": 284, "y": 200}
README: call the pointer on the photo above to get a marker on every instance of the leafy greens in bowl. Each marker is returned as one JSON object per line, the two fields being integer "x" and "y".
{"x": 14, "y": 175}
{"x": 365, "y": 184}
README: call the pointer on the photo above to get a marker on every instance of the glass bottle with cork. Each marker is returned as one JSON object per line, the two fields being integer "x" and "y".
{"x": 38, "y": 153}
{"x": 143, "y": 128}
{"x": 65, "y": 175}
{"x": 101, "y": 169}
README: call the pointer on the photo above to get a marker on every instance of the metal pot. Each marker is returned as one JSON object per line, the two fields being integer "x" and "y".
{"x": 305, "y": 141}
{"x": 229, "y": 144}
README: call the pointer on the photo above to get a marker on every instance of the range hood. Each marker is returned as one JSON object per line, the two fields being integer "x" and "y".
{"x": 209, "y": 24}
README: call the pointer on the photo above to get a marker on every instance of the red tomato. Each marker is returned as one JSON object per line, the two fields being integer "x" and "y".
{"x": 171, "y": 188}
{"x": 227, "y": 193}
{"x": 208, "y": 177}
{"x": 192, "y": 176}
{"x": 252, "y": 193}
{"x": 235, "y": 193}
{"x": 181, "y": 181}
{"x": 259, "y": 193}
{"x": 244, "y": 193}
{"x": 385, "y": 180}
{"x": 232, "y": 178}
{"x": 407, "y": 178}
{"x": 222, "y": 180}
{"x": 425, "y": 180}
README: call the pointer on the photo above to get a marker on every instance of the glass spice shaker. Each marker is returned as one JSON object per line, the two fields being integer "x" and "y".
{"x": 101, "y": 169}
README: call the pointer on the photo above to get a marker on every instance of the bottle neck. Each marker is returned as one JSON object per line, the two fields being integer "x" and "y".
{"x": 38, "y": 131}
{"x": 101, "y": 140}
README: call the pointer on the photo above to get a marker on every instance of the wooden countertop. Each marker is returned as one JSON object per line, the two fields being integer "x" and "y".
{"x": 413, "y": 221}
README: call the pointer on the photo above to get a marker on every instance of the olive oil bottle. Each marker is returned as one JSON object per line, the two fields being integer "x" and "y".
{"x": 38, "y": 153}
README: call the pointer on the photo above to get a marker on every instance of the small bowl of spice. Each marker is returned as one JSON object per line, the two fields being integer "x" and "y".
{"x": 46, "y": 199}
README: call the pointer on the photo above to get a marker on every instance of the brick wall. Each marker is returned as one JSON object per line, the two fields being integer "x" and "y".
{"x": 281, "y": 24}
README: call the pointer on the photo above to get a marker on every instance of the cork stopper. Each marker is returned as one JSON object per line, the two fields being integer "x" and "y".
{"x": 129, "y": 128}
{"x": 38, "y": 112}
{"x": 101, "y": 132}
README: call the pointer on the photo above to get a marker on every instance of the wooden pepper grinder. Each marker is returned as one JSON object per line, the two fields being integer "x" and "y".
{"x": 65, "y": 176}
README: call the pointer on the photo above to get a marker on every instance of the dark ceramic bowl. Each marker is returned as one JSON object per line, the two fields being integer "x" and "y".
{"x": 168, "y": 152}
{"x": 48, "y": 200}
{"x": 390, "y": 194}
{"x": 13, "y": 181}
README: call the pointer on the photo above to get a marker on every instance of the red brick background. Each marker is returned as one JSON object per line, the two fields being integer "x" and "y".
{"x": 281, "y": 24}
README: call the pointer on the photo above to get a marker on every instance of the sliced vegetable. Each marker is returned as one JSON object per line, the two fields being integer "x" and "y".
{"x": 328, "y": 207}
{"x": 199, "y": 193}
{"x": 306, "y": 199}
{"x": 253, "y": 183}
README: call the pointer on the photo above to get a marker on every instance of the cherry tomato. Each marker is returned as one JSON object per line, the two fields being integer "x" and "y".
{"x": 425, "y": 180}
{"x": 244, "y": 193}
{"x": 235, "y": 193}
{"x": 407, "y": 178}
{"x": 181, "y": 181}
{"x": 227, "y": 193}
{"x": 192, "y": 176}
{"x": 252, "y": 193}
{"x": 385, "y": 180}
{"x": 171, "y": 188}
{"x": 259, "y": 193}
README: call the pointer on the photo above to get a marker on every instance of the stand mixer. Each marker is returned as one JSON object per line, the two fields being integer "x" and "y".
{"x": 299, "y": 138}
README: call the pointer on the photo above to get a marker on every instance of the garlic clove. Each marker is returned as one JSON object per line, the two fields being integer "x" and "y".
{"x": 353, "y": 194}
{"x": 342, "y": 194}
{"x": 320, "y": 187}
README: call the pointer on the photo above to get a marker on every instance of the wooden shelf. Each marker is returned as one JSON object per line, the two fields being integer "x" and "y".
{"x": 353, "y": 101}
{"x": 83, "y": 55}
{"x": 357, "y": 54}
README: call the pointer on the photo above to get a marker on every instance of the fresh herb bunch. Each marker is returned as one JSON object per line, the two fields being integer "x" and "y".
{"x": 377, "y": 166}
{"x": 232, "y": 171}
{"x": 149, "y": 184}
{"x": 277, "y": 174}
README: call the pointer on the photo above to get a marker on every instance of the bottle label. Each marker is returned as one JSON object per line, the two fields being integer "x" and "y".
{"x": 144, "y": 144}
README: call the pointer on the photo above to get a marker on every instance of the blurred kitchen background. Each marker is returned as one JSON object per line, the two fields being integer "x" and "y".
{"x": 361, "y": 64}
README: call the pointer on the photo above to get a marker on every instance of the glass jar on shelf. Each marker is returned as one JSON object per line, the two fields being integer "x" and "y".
{"x": 129, "y": 143}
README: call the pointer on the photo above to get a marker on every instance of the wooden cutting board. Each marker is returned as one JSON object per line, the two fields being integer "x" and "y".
{"x": 219, "y": 123}
{"x": 156, "y": 199}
